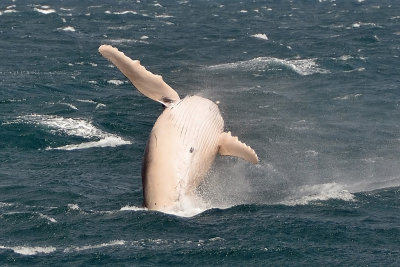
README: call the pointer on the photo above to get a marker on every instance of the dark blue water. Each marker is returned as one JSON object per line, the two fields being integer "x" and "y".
{"x": 312, "y": 86}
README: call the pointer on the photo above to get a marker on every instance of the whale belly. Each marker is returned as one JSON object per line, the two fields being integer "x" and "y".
{"x": 181, "y": 148}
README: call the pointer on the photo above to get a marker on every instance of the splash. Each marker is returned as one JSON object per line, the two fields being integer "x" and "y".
{"x": 304, "y": 195}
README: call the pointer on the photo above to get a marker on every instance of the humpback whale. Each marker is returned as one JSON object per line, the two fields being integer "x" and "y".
{"x": 184, "y": 141}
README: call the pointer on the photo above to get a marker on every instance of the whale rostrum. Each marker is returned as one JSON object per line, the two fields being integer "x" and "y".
{"x": 184, "y": 140}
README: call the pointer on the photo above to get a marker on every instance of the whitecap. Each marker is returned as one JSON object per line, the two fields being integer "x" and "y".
{"x": 44, "y": 10}
{"x": 50, "y": 219}
{"x": 122, "y": 40}
{"x": 311, "y": 153}
{"x": 116, "y": 82}
{"x": 110, "y": 141}
{"x": 87, "y": 101}
{"x": 67, "y": 29}
{"x": 23, "y": 250}
{"x": 100, "y": 105}
{"x": 301, "y": 125}
{"x": 102, "y": 245}
{"x": 73, "y": 207}
{"x": 306, "y": 194}
{"x": 300, "y": 66}
{"x": 164, "y": 16}
{"x": 360, "y": 69}
{"x": 121, "y": 12}
{"x": 348, "y": 96}
{"x": 75, "y": 127}
{"x": 4, "y": 204}
{"x": 261, "y": 36}
{"x": 345, "y": 57}
{"x": 132, "y": 208}
{"x": 69, "y": 105}
{"x": 8, "y": 11}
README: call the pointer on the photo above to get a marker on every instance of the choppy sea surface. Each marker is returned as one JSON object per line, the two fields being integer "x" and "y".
{"x": 312, "y": 86}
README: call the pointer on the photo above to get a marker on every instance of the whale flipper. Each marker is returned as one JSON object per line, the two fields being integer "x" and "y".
{"x": 231, "y": 146}
{"x": 149, "y": 84}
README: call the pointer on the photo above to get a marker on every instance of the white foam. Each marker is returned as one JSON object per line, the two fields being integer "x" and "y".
{"x": 100, "y": 105}
{"x": 109, "y": 244}
{"x": 4, "y": 204}
{"x": 67, "y": 29}
{"x": 8, "y": 11}
{"x": 347, "y": 97}
{"x": 127, "y": 41}
{"x": 116, "y": 82}
{"x": 164, "y": 16}
{"x": 121, "y": 12}
{"x": 300, "y": 66}
{"x": 364, "y": 24}
{"x": 87, "y": 101}
{"x": 110, "y": 141}
{"x": 261, "y": 36}
{"x": 44, "y": 10}
{"x": 73, "y": 206}
{"x": 311, "y": 153}
{"x": 50, "y": 219}
{"x": 189, "y": 206}
{"x": 132, "y": 208}
{"x": 76, "y": 127}
{"x": 357, "y": 69}
{"x": 30, "y": 250}
{"x": 303, "y": 195}
{"x": 69, "y": 105}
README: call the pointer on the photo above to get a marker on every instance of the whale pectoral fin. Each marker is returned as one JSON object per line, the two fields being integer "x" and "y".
{"x": 149, "y": 84}
{"x": 231, "y": 146}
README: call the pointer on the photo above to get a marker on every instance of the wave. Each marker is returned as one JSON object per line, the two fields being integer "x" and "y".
{"x": 50, "y": 219}
{"x": 44, "y": 10}
{"x": 102, "y": 245}
{"x": 98, "y": 105}
{"x": 300, "y": 66}
{"x": 131, "y": 12}
{"x": 75, "y": 127}
{"x": 116, "y": 82}
{"x": 261, "y": 36}
{"x": 306, "y": 194}
{"x": 132, "y": 208}
{"x": 8, "y": 10}
{"x": 30, "y": 250}
{"x": 67, "y": 29}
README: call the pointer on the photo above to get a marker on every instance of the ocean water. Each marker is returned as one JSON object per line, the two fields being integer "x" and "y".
{"x": 312, "y": 86}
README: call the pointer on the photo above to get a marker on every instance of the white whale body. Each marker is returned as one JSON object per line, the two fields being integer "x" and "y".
{"x": 184, "y": 141}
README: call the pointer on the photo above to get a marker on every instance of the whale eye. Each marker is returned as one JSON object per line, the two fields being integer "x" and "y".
{"x": 191, "y": 150}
